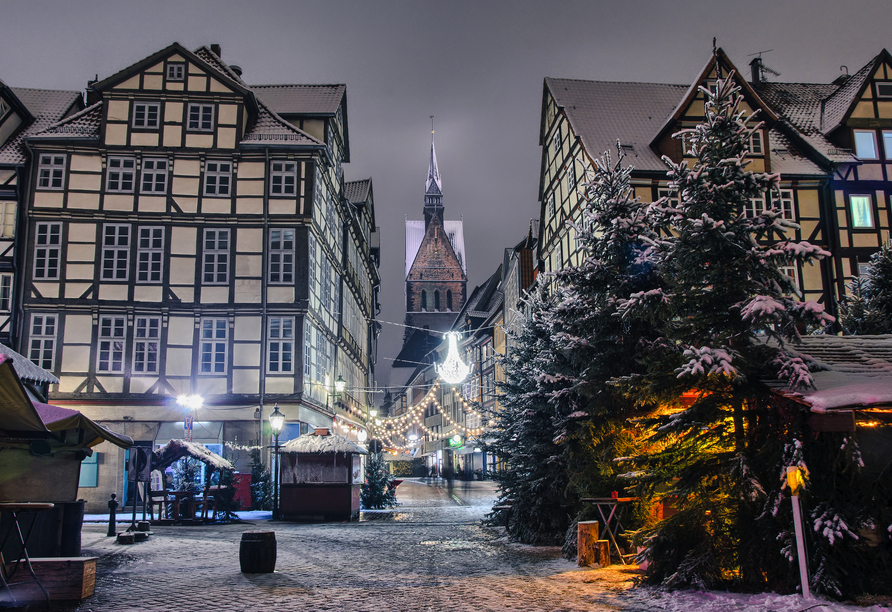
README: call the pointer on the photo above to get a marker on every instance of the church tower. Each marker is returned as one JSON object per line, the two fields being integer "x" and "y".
{"x": 436, "y": 272}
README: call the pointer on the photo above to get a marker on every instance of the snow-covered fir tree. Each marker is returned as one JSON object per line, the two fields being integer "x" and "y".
{"x": 725, "y": 313}
{"x": 376, "y": 492}
{"x": 867, "y": 309}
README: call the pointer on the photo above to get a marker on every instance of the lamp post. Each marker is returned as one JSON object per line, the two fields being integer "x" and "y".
{"x": 191, "y": 403}
{"x": 276, "y": 422}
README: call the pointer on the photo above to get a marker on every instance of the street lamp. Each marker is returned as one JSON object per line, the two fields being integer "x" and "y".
{"x": 340, "y": 385}
{"x": 276, "y": 422}
{"x": 191, "y": 403}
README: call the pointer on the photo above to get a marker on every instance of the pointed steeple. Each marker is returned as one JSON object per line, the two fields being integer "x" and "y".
{"x": 433, "y": 189}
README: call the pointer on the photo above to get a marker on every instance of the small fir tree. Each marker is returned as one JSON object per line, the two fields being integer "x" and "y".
{"x": 187, "y": 474}
{"x": 867, "y": 309}
{"x": 261, "y": 483}
{"x": 376, "y": 492}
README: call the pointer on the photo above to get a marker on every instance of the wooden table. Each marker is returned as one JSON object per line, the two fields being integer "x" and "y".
{"x": 15, "y": 509}
{"x": 611, "y": 509}
{"x": 183, "y": 504}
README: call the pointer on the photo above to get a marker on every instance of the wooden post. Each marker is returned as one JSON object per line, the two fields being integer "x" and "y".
{"x": 603, "y": 553}
{"x": 587, "y": 543}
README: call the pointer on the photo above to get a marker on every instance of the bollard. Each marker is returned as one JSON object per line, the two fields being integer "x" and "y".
{"x": 112, "y": 506}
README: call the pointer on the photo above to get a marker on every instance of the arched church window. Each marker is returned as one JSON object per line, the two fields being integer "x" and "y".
{"x": 448, "y": 299}
{"x": 437, "y": 300}
{"x": 423, "y": 299}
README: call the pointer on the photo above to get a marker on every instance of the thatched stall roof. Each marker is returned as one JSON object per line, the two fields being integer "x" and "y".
{"x": 175, "y": 450}
{"x": 332, "y": 443}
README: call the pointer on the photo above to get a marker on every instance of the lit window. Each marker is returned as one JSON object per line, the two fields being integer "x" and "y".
{"x": 7, "y": 219}
{"x": 214, "y": 341}
{"x": 146, "y": 335}
{"x": 115, "y": 251}
{"x": 281, "y": 344}
{"x": 149, "y": 254}
{"x": 146, "y": 115}
{"x": 862, "y": 215}
{"x": 111, "y": 344}
{"x": 121, "y": 173}
{"x": 43, "y": 341}
{"x": 201, "y": 117}
{"x": 217, "y": 178}
{"x": 215, "y": 264}
{"x": 283, "y": 178}
{"x": 281, "y": 256}
{"x": 5, "y": 292}
{"x": 154, "y": 176}
{"x": 51, "y": 172}
{"x": 48, "y": 239}
{"x": 865, "y": 144}
{"x": 756, "y": 147}
{"x": 176, "y": 71}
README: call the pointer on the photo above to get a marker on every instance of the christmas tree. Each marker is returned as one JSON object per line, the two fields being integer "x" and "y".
{"x": 867, "y": 309}
{"x": 376, "y": 492}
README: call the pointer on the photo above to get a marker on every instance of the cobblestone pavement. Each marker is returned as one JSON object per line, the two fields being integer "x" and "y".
{"x": 430, "y": 553}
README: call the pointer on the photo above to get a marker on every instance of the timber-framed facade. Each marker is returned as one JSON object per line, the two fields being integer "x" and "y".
{"x": 191, "y": 234}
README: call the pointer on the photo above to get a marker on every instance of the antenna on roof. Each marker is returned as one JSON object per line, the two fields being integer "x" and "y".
{"x": 759, "y": 70}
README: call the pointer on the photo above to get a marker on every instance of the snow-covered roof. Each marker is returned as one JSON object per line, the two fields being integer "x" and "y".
{"x": 27, "y": 370}
{"x": 856, "y": 372}
{"x": 415, "y": 234}
{"x": 193, "y": 449}
{"x": 332, "y": 443}
{"x": 47, "y": 106}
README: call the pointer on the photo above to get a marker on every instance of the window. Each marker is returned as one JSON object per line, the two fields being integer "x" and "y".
{"x": 51, "y": 172}
{"x": 281, "y": 256}
{"x": 448, "y": 299}
{"x": 308, "y": 349}
{"x": 214, "y": 336}
{"x": 217, "y": 177}
{"x": 46, "y": 253}
{"x": 436, "y": 300}
{"x": 671, "y": 197}
{"x": 865, "y": 144}
{"x": 111, "y": 344}
{"x": 121, "y": 173}
{"x": 423, "y": 299}
{"x": 571, "y": 176}
{"x": 862, "y": 215}
{"x": 215, "y": 264}
{"x": 43, "y": 340}
{"x": 283, "y": 178}
{"x": 5, "y": 292}
{"x": 754, "y": 207}
{"x": 149, "y": 254}
{"x": 887, "y": 144}
{"x": 884, "y": 90}
{"x": 115, "y": 251}
{"x": 793, "y": 274}
{"x": 863, "y": 268}
{"x": 549, "y": 206}
{"x": 146, "y": 114}
{"x": 146, "y": 335}
{"x": 556, "y": 141}
{"x": 89, "y": 474}
{"x": 281, "y": 344}
{"x": 201, "y": 117}
{"x": 154, "y": 176}
{"x": 176, "y": 71}
{"x": 756, "y": 147}
{"x": 783, "y": 203}
{"x": 311, "y": 265}
{"x": 7, "y": 219}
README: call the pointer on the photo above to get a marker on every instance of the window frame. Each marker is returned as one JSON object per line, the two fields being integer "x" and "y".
{"x": 152, "y": 173}
{"x": 281, "y": 256}
{"x": 6, "y": 292}
{"x": 752, "y": 145}
{"x": 873, "y": 139}
{"x": 150, "y": 255}
{"x": 784, "y": 202}
{"x": 111, "y": 344}
{"x": 115, "y": 258}
{"x": 147, "y": 107}
{"x": 213, "y": 188}
{"x": 869, "y": 210}
{"x": 887, "y": 93}
{"x": 887, "y": 144}
{"x": 170, "y": 71}
{"x": 209, "y": 349}
{"x": 212, "y": 256}
{"x": 51, "y": 252}
{"x": 276, "y": 345}
{"x": 51, "y": 169}
{"x": 146, "y": 331}
{"x": 200, "y": 108}
{"x": 115, "y": 181}
{"x": 8, "y": 208}
{"x": 278, "y": 181}
{"x": 45, "y": 342}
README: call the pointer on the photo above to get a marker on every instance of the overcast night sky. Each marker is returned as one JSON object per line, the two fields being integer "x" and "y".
{"x": 477, "y": 66}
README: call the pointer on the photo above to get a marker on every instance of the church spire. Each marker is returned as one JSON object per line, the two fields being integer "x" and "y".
{"x": 433, "y": 189}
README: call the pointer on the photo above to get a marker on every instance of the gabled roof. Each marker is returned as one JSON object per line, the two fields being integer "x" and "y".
{"x": 415, "y": 232}
{"x": 46, "y": 106}
{"x": 839, "y": 105}
{"x": 302, "y": 99}
{"x": 485, "y": 300}
{"x": 430, "y": 235}
{"x": 84, "y": 124}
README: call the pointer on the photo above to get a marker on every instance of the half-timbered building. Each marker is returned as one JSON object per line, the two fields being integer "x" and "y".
{"x": 189, "y": 234}
{"x": 830, "y": 143}
{"x": 23, "y": 111}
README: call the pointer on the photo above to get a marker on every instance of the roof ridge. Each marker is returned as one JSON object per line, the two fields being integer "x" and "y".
{"x": 299, "y": 85}
{"x": 618, "y": 82}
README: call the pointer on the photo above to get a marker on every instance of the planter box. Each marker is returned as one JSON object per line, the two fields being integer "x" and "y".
{"x": 64, "y": 578}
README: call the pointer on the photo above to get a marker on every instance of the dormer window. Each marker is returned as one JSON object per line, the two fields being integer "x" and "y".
{"x": 201, "y": 117}
{"x": 176, "y": 71}
{"x": 865, "y": 144}
{"x": 146, "y": 114}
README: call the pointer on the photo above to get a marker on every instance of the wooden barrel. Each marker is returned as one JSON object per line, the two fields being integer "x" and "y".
{"x": 257, "y": 552}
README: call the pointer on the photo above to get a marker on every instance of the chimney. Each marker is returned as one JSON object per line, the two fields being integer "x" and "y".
{"x": 216, "y": 50}
{"x": 320, "y": 431}
{"x": 756, "y": 71}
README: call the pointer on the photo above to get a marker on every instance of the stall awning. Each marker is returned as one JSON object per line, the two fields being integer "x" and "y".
{"x": 57, "y": 418}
